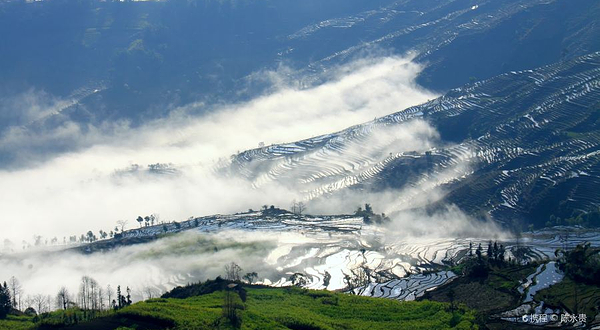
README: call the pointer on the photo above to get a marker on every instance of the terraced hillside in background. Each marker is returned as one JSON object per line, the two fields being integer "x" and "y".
{"x": 524, "y": 145}
{"x": 457, "y": 40}
{"x": 141, "y": 59}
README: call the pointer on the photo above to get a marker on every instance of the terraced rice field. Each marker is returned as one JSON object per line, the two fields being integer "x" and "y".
{"x": 508, "y": 145}
{"x": 400, "y": 268}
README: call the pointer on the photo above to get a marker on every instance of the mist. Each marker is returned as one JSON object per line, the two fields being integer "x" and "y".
{"x": 161, "y": 265}
{"x": 99, "y": 182}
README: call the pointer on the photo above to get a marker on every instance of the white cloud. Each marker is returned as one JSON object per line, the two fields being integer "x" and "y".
{"x": 75, "y": 192}
{"x": 176, "y": 260}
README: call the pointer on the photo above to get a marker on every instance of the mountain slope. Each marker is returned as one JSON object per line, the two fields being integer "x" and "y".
{"x": 145, "y": 57}
{"x": 521, "y": 145}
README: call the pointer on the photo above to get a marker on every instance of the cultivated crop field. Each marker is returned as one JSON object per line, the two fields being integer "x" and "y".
{"x": 272, "y": 308}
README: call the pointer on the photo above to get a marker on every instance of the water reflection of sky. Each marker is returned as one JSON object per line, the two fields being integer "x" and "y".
{"x": 544, "y": 278}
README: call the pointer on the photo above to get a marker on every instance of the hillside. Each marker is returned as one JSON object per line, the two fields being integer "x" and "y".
{"x": 522, "y": 146}
{"x": 140, "y": 60}
{"x": 276, "y": 308}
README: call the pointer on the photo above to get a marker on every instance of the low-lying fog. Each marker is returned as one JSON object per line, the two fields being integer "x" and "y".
{"x": 95, "y": 185}
{"x": 194, "y": 255}
{"x": 73, "y": 192}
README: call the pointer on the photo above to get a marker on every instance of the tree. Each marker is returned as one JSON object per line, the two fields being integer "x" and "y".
{"x": 40, "y": 302}
{"x": 358, "y": 278}
{"x": 150, "y": 293}
{"x": 128, "y": 296}
{"x": 122, "y": 224}
{"x": 232, "y": 272}
{"x": 147, "y": 219}
{"x": 301, "y": 207}
{"x": 517, "y": 230}
{"x": 298, "y": 207}
{"x": 230, "y": 306}
{"x": 501, "y": 252}
{"x": 294, "y": 207}
{"x": 90, "y": 237}
{"x": 109, "y": 295}
{"x": 140, "y": 220}
{"x": 581, "y": 263}
{"x": 62, "y": 298}
{"x": 370, "y": 217}
{"x": 349, "y": 283}
{"x": 15, "y": 290}
{"x": 100, "y": 294}
{"x": 120, "y": 299}
{"x": 326, "y": 279}
{"x": 90, "y": 294}
{"x": 250, "y": 277}
{"x": 451, "y": 296}
{"x": 298, "y": 279}
{"x": 366, "y": 214}
{"x": 5, "y": 301}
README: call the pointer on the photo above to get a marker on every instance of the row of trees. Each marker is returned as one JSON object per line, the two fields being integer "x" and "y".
{"x": 581, "y": 263}
{"x": 478, "y": 265}
{"x": 11, "y": 299}
{"x": 495, "y": 252}
{"x": 233, "y": 273}
{"x": 87, "y": 237}
{"x": 148, "y": 220}
{"x": 90, "y": 297}
{"x": 298, "y": 207}
{"x": 370, "y": 217}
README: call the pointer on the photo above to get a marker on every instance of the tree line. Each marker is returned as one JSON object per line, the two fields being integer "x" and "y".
{"x": 370, "y": 217}
{"x": 90, "y": 299}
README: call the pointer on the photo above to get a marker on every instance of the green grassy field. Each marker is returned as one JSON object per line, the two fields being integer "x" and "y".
{"x": 13, "y": 322}
{"x": 277, "y": 308}
{"x": 268, "y": 308}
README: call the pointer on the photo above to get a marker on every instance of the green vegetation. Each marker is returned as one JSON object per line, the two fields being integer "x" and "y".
{"x": 14, "y": 322}
{"x": 581, "y": 264}
{"x": 586, "y": 219}
{"x": 579, "y": 291}
{"x": 494, "y": 292}
{"x": 273, "y": 308}
{"x": 573, "y": 296}
{"x": 71, "y": 316}
{"x": 489, "y": 284}
{"x": 294, "y": 308}
{"x": 5, "y": 301}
